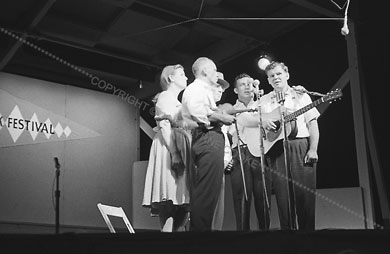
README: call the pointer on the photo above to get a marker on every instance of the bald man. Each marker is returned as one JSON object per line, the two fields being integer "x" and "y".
{"x": 208, "y": 142}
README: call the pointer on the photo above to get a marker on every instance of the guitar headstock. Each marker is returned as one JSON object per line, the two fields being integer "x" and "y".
{"x": 333, "y": 95}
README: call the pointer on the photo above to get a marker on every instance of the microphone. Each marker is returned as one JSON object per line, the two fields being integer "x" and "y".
{"x": 56, "y": 163}
{"x": 256, "y": 83}
{"x": 344, "y": 29}
{"x": 280, "y": 97}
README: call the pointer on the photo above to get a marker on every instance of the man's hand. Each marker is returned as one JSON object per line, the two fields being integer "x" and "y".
{"x": 268, "y": 124}
{"x": 223, "y": 118}
{"x": 311, "y": 157}
{"x": 166, "y": 117}
{"x": 227, "y": 119}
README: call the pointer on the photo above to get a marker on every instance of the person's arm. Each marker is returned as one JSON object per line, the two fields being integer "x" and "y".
{"x": 252, "y": 119}
{"x": 314, "y": 138}
{"x": 163, "y": 107}
{"x": 221, "y": 117}
{"x": 311, "y": 117}
{"x": 177, "y": 163}
{"x": 168, "y": 137}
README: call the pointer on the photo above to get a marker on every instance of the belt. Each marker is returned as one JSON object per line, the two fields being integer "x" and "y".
{"x": 203, "y": 127}
{"x": 297, "y": 138}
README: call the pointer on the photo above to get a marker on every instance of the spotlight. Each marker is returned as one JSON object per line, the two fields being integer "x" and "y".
{"x": 263, "y": 62}
{"x": 140, "y": 84}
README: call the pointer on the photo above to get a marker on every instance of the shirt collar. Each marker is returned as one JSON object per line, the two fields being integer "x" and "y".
{"x": 203, "y": 83}
{"x": 241, "y": 104}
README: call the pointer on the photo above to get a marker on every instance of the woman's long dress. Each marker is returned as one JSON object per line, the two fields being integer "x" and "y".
{"x": 162, "y": 184}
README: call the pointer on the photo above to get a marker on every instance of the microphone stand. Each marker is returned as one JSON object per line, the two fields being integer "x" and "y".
{"x": 57, "y": 196}
{"x": 240, "y": 158}
{"x": 262, "y": 165}
{"x": 243, "y": 210}
{"x": 291, "y": 202}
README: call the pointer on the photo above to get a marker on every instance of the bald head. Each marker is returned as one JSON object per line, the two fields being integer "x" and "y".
{"x": 205, "y": 69}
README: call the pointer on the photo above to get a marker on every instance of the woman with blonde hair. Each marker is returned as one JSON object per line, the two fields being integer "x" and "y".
{"x": 166, "y": 190}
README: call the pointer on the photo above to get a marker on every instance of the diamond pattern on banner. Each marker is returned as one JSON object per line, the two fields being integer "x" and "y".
{"x": 58, "y": 130}
{"x": 67, "y": 131}
{"x": 13, "y": 127}
{"x": 32, "y": 130}
{"x": 48, "y": 129}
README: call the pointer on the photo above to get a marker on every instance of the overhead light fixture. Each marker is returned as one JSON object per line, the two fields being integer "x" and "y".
{"x": 264, "y": 61}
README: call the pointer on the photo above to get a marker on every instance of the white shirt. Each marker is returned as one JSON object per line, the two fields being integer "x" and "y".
{"x": 250, "y": 135}
{"x": 198, "y": 102}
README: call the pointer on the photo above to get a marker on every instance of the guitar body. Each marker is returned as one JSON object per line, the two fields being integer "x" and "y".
{"x": 273, "y": 136}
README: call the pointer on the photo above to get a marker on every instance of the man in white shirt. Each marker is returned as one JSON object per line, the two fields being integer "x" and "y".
{"x": 250, "y": 154}
{"x": 296, "y": 203}
{"x": 208, "y": 143}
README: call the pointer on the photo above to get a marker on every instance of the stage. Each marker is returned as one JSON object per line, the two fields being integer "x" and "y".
{"x": 321, "y": 241}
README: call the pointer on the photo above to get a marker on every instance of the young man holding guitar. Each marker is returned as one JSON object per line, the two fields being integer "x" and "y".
{"x": 296, "y": 201}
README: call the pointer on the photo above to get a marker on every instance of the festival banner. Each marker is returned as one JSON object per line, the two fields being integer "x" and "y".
{"x": 23, "y": 123}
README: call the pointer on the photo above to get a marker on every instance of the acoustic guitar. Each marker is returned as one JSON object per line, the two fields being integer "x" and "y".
{"x": 272, "y": 136}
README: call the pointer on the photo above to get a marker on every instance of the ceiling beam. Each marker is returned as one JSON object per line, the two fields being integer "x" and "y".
{"x": 200, "y": 21}
{"x": 102, "y": 52}
{"x": 40, "y": 13}
{"x": 85, "y": 48}
{"x": 341, "y": 83}
{"x": 316, "y": 8}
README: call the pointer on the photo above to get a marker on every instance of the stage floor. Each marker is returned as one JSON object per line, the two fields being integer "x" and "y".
{"x": 321, "y": 241}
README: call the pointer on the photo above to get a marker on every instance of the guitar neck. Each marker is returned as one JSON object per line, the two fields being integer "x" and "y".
{"x": 295, "y": 114}
{"x": 236, "y": 111}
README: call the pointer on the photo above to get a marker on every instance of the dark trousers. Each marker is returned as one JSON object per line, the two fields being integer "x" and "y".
{"x": 302, "y": 191}
{"x": 254, "y": 187}
{"x": 207, "y": 151}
